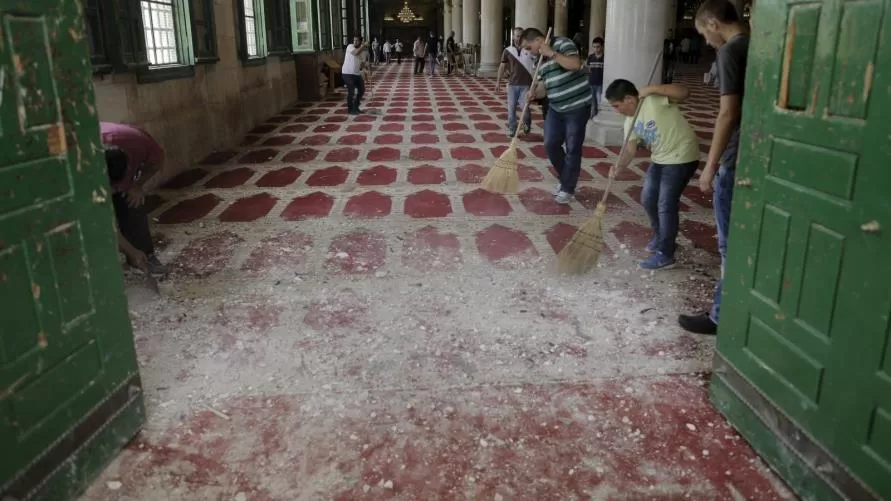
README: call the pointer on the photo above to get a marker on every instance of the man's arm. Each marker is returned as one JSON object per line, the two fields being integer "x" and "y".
{"x": 358, "y": 50}
{"x": 626, "y": 156}
{"x": 674, "y": 92}
{"x": 568, "y": 58}
{"x": 728, "y": 117}
{"x": 731, "y": 72}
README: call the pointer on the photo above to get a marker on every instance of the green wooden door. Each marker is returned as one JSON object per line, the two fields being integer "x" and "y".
{"x": 804, "y": 333}
{"x": 69, "y": 389}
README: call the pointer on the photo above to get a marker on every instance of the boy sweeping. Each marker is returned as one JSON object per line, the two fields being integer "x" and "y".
{"x": 674, "y": 155}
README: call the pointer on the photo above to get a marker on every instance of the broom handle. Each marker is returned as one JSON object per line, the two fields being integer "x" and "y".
{"x": 531, "y": 89}
{"x": 609, "y": 182}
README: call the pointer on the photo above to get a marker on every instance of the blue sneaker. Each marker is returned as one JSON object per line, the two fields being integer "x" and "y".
{"x": 657, "y": 261}
{"x": 651, "y": 246}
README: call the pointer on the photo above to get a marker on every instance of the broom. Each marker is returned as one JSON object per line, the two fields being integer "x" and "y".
{"x": 583, "y": 250}
{"x": 504, "y": 177}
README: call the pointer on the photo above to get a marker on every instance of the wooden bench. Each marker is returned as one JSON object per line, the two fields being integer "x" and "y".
{"x": 333, "y": 71}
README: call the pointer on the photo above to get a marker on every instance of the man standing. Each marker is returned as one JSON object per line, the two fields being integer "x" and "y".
{"x": 398, "y": 51}
{"x": 132, "y": 156}
{"x": 668, "y": 59}
{"x": 569, "y": 99}
{"x": 595, "y": 74}
{"x": 375, "y": 51}
{"x": 450, "y": 53}
{"x": 720, "y": 24}
{"x": 520, "y": 64}
{"x": 418, "y": 51}
{"x": 352, "y": 75}
{"x": 432, "y": 47}
{"x": 387, "y": 48}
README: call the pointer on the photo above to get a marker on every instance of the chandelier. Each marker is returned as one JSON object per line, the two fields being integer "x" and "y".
{"x": 406, "y": 15}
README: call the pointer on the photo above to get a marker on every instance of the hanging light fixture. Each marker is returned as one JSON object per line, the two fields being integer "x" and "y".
{"x": 406, "y": 15}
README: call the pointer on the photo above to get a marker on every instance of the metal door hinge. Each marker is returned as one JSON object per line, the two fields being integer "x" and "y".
{"x": 871, "y": 227}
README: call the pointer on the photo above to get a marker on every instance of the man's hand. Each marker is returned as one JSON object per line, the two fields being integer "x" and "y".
{"x": 498, "y": 87}
{"x": 614, "y": 171}
{"x": 546, "y": 51}
{"x": 135, "y": 197}
{"x": 706, "y": 177}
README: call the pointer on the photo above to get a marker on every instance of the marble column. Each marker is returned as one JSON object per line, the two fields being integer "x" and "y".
{"x": 633, "y": 45}
{"x": 597, "y": 20}
{"x": 560, "y": 18}
{"x": 447, "y": 19}
{"x": 472, "y": 22}
{"x": 457, "y": 20}
{"x": 532, "y": 14}
{"x": 491, "y": 43}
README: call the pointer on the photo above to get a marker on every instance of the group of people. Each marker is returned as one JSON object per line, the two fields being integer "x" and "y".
{"x": 572, "y": 91}
{"x": 383, "y": 54}
{"x": 433, "y": 52}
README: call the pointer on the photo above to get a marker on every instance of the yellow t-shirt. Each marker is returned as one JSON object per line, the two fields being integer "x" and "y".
{"x": 665, "y": 132}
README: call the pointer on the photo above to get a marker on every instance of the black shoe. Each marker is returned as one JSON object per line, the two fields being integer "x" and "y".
{"x": 353, "y": 112}
{"x": 155, "y": 266}
{"x": 698, "y": 324}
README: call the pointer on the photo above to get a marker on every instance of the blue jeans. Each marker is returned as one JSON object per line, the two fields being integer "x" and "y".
{"x": 516, "y": 95}
{"x": 566, "y": 127}
{"x": 597, "y": 94}
{"x": 355, "y": 91}
{"x": 721, "y": 199}
{"x": 661, "y": 198}
{"x": 431, "y": 60}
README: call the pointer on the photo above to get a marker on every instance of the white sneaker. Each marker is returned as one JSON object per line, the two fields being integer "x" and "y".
{"x": 557, "y": 190}
{"x": 563, "y": 198}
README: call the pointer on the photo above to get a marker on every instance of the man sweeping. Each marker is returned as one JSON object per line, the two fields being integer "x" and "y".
{"x": 565, "y": 85}
{"x": 674, "y": 155}
{"x": 719, "y": 22}
{"x": 352, "y": 75}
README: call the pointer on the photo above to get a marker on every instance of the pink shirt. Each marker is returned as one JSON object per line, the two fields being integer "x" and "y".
{"x": 142, "y": 150}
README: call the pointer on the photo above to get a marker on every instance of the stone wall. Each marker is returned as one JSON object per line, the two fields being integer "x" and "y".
{"x": 191, "y": 117}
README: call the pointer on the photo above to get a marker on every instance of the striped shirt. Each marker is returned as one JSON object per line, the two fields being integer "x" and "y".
{"x": 566, "y": 90}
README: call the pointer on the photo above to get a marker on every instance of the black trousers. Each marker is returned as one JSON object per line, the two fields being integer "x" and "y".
{"x": 355, "y": 91}
{"x": 398, "y": 58}
{"x": 133, "y": 224}
{"x": 419, "y": 65}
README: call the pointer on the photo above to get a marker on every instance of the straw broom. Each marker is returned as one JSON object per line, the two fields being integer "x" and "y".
{"x": 504, "y": 176}
{"x": 583, "y": 250}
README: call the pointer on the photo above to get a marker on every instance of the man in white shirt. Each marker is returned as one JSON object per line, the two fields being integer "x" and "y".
{"x": 398, "y": 51}
{"x": 352, "y": 75}
{"x": 387, "y": 48}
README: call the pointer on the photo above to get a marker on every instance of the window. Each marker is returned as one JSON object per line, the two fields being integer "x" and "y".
{"x": 336, "y": 31}
{"x": 345, "y": 34}
{"x": 204, "y": 39}
{"x": 160, "y": 32}
{"x": 96, "y": 34}
{"x": 323, "y": 8}
{"x": 250, "y": 29}
{"x": 278, "y": 26}
{"x": 301, "y": 25}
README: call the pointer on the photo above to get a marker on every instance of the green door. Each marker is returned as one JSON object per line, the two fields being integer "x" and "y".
{"x": 70, "y": 394}
{"x": 804, "y": 357}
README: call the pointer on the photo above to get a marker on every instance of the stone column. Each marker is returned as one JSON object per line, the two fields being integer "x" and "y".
{"x": 597, "y": 21}
{"x": 532, "y": 14}
{"x": 560, "y": 18}
{"x": 633, "y": 45}
{"x": 446, "y": 19}
{"x": 472, "y": 22}
{"x": 457, "y": 20}
{"x": 491, "y": 44}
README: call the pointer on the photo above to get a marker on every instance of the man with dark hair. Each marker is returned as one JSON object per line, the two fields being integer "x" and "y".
{"x": 432, "y": 49}
{"x": 352, "y": 75}
{"x": 519, "y": 64}
{"x": 129, "y": 154}
{"x": 450, "y": 53}
{"x": 595, "y": 74}
{"x": 562, "y": 80}
{"x": 674, "y": 149}
{"x": 719, "y": 22}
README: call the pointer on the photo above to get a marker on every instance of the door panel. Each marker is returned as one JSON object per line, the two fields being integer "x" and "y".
{"x": 66, "y": 347}
{"x": 807, "y": 303}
